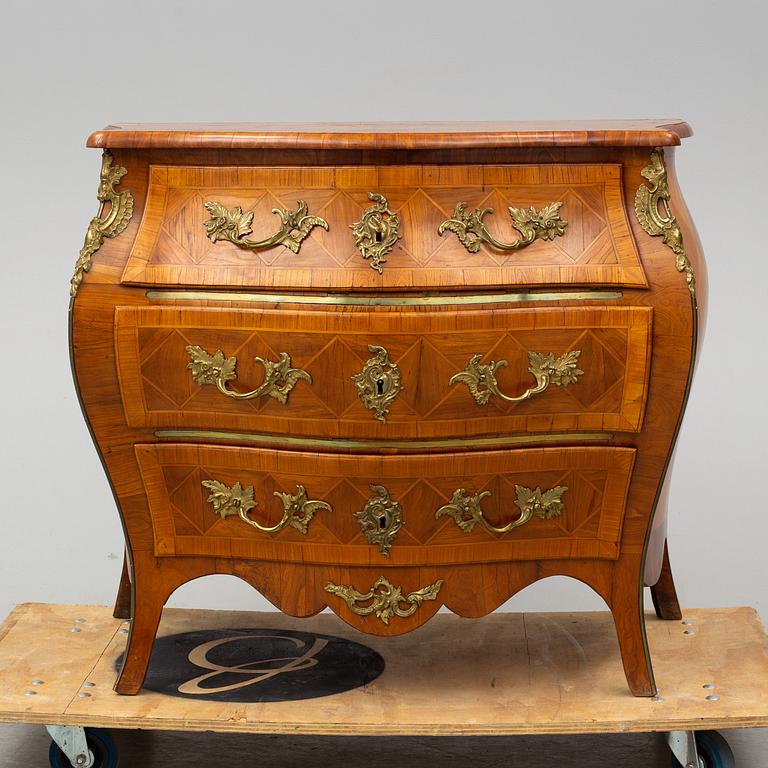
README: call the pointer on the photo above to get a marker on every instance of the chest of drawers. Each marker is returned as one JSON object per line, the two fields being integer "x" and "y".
{"x": 385, "y": 368}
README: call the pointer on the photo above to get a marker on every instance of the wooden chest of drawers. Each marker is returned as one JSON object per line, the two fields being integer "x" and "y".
{"x": 387, "y": 368}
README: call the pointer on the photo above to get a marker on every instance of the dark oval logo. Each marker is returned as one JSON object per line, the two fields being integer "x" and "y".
{"x": 258, "y": 665}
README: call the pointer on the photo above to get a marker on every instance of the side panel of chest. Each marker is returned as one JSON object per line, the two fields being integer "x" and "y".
{"x": 584, "y": 240}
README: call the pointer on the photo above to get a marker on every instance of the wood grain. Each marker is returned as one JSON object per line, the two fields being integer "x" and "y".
{"x": 172, "y": 248}
{"x": 455, "y": 135}
{"x": 429, "y": 347}
{"x": 506, "y": 674}
{"x": 299, "y": 587}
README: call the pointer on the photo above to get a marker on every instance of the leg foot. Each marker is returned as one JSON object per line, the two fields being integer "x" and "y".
{"x": 627, "y": 610}
{"x": 664, "y": 594}
{"x": 152, "y": 590}
{"x": 123, "y": 599}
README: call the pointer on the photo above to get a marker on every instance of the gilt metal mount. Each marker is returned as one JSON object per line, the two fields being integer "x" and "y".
{"x": 480, "y": 378}
{"x": 381, "y": 519}
{"x": 232, "y": 225}
{"x": 533, "y": 224}
{"x": 377, "y": 232}
{"x": 467, "y": 512}
{"x": 279, "y": 377}
{"x": 379, "y": 383}
{"x": 385, "y": 599}
{"x": 298, "y": 509}
{"x": 656, "y": 218}
{"x": 115, "y": 211}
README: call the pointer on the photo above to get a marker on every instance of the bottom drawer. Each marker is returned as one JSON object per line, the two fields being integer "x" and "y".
{"x": 458, "y": 508}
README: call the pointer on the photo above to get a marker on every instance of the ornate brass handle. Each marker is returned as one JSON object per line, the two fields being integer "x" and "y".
{"x": 298, "y": 510}
{"x": 233, "y": 225}
{"x": 547, "y": 369}
{"x": 385, "y": 598}
{"x": 466, "y": 510}
{"x": 377, "y": 232}
{"x": 533, "y": 224}
{"x": 279, "y": 377}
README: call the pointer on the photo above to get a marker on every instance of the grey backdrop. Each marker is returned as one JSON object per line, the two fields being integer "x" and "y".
{"x": 69, "y": 68}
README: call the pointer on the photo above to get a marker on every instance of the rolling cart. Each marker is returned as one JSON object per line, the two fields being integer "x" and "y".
{"x": 506, "y": 674}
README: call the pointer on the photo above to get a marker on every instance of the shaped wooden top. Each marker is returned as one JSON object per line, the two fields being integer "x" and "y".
{"x": 360, "y": 136}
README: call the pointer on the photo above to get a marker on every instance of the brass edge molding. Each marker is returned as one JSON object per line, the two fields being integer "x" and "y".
{"x": 109, "y": 224}
{"x": 656, "y": 217}
{"x": 385, "y": 599}
{"x": 480, "y": 378}
{"x": 279, "y": 377}
{"x": 533, "y": 224}
{"x": 298, "y": 509}
{"x": 383, "y": 301}
{"x": 466, "y": 510}
{"x": 377, "y": 232}
{"x": 380, "y": 519}
{"x": 413, "y": 445}
{"x": 233, "y": 226}
{"x": 379, "y": 383}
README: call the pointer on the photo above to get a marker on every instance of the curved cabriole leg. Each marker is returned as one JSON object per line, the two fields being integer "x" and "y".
{"x": 627, "y": 609}
{"x": 153, "y": 586}
{"x": 123, "y": 599}
{"x": 664, "y": 594}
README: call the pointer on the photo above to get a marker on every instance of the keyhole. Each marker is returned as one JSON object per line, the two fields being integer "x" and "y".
{"x": 378, "y": 236}
{"x": 380, "y": 386}
{"x": 382, "y": 522}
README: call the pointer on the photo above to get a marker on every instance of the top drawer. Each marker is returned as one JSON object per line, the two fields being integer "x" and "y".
{"x": 571, "y": 227}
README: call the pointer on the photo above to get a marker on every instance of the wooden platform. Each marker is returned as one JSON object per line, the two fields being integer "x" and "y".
{"x": 505, "y": 674}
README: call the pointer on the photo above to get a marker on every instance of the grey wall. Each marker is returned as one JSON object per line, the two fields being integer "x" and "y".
{"x": 69, "y": 68}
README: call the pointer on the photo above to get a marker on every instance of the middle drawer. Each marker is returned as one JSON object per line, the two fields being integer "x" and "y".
{"x": 375, "y": 374}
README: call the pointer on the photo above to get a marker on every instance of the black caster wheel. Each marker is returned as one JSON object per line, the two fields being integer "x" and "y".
{"x": 713, "y": 750}
{"x": 101, "y": 745}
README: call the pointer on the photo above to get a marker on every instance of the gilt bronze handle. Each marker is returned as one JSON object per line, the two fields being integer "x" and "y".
{"x": 467, "y": 512}
{"x": 386, "y": 599}
{"x": 547, "y": 369}
{"x": 298, "y": 510}
{"x": 232, "y": 225}
{"x": 279, "y": 377}
{"x": 533, "y": 224}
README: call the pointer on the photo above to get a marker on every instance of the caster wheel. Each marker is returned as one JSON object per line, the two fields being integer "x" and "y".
{"x": 101, "y": 745}
{"x": 714, "y": 751}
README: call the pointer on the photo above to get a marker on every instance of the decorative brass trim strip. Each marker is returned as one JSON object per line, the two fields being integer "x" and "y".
{"x": 279, "y": 377}
{"x": 533, "y": 224}
{"x": 233, "y": 225}
{"x": 298, "y": 510}
{"x": 377, "y": 232}
{"x": 480, "y": 378}
{"x": 383, "y": 301}
{"x": 466, "y": 510}
{"x": 656, "y": 218}
{"x": 385, "y": 598}
{"x": 101, "y": 226}
{"x": 413, "y": 445}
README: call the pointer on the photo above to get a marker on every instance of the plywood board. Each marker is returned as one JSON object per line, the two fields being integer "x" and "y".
{"x": 505, "y": 674}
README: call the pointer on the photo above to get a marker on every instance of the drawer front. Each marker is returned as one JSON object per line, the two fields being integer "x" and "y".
{"x": 525, "y": 504}
{"x": 431, "y": 386}
{"x": 572, "y": 228}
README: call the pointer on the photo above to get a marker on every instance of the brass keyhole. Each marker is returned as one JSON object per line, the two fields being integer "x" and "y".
{"x": 380, "y": 385}
{"x": 383, "y": 523}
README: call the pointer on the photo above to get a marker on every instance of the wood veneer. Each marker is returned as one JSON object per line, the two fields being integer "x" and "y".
{"x": 471, "y": 588}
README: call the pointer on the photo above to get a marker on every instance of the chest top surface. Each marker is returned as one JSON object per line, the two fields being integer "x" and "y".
{"x": 393, "y": 135}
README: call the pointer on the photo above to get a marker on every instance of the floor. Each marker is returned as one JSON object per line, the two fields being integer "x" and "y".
{"x": 23, "y": 745}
